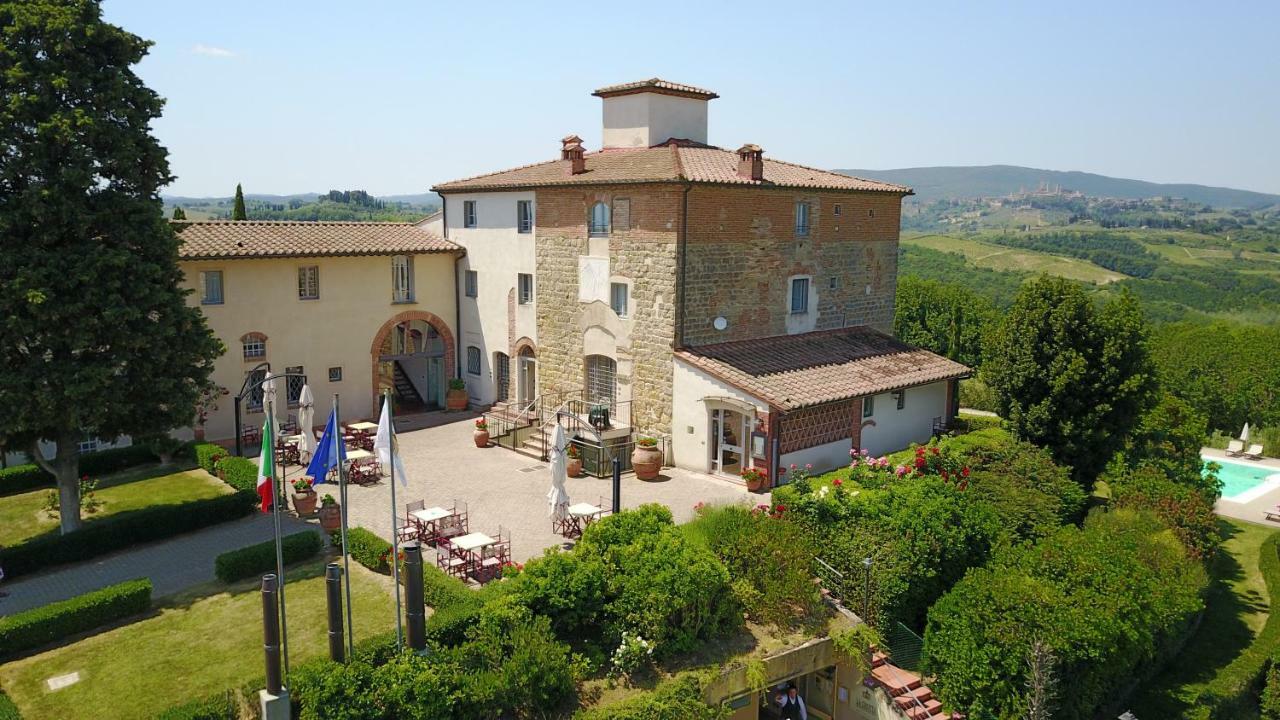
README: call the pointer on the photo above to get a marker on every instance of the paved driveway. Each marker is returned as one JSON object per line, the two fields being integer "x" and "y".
{"x": 501, "y": 487}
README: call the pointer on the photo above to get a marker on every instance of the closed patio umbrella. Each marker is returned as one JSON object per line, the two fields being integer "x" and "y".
{"x": 1244, "y": 434}
{"x": 306, "y": 418}
{"x": 558, "y": 496}
{"x": 271, "y": 401}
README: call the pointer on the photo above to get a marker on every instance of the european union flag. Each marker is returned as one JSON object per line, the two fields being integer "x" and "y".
{"x": 331, "y": 451}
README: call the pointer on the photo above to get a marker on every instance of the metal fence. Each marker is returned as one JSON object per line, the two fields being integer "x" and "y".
{"x": 904, "y": 646}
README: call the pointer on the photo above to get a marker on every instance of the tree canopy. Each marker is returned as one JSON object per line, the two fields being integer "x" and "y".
{"x": 238, "y": 211}
{"x": 944, "y": 318}
{"x": 96, "y": 337}
{"x": 1072, "y": 376}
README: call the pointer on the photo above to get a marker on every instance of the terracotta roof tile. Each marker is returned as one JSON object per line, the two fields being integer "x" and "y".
{"x": 202, "y": 240}
{"x": 655, "y": 84}
{"x": 674, "y": 161}
{"x": 794, "y": 371}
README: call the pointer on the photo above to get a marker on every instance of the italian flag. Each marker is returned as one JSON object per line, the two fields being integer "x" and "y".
{"x": 266, "y": 465}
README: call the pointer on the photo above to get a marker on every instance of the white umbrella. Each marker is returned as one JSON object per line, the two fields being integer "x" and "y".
{"x": 306, "y": 419}
{"x": 271, "y": 400}
{"x": 1244, "y": 434}
{"x": 558, "y": 497}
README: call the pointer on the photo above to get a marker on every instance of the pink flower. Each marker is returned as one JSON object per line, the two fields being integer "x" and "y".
{"x": 807, "y": 466}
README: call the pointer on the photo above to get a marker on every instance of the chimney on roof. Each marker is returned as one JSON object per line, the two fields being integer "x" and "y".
{"x": 571, "y": 150}
{"x": 751, "y": 162}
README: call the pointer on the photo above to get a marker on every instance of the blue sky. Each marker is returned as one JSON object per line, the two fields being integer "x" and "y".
{"x": 392, "y": 96}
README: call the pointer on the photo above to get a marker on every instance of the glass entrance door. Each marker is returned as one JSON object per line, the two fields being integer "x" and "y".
{"x": 728, "y": 438}
{"x": 528, "y": 380}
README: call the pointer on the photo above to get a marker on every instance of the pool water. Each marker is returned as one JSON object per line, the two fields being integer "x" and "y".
{"x": 1238, "y": 479}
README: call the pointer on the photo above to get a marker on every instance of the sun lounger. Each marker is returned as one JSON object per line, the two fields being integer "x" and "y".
{"x": 1235, "y": 448}
{"x": 1272, "y": 515}
{"x": 1254, "y": 452}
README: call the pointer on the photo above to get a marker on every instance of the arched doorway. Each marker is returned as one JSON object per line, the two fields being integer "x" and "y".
{"x": 413, "y": 357}
{"x": 526, "y": 373}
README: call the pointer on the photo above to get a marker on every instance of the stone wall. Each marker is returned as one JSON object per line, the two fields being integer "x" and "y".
{"x": 742, "y": 250}
{"x": 641, "y": 252}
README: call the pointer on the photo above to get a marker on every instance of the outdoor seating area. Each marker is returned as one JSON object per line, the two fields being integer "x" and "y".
{"x": 576, "y": 518}
{"x": 1237, "y": 448}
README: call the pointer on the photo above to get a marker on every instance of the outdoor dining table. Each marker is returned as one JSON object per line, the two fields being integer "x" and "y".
{"x": 363, "y": 426}
{"x": 427, "y": 519}
{"x": 582, "y": 515}
{"x": 359, "y": 454}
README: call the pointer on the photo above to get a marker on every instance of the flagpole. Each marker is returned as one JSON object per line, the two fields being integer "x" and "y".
{"x": 275, "y": 515}
{"x": 395, "y": 520}
{"x": 346, "y": 557}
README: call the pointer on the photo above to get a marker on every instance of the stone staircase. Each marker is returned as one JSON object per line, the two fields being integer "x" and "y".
{"x": 911, "y": 697}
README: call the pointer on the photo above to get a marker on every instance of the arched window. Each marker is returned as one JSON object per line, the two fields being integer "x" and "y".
{"x": 253, "y": 346}
{"x": 599, "y": 220}
{"x": 602, "y": 380}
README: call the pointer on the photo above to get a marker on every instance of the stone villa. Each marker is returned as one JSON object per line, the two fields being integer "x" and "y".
{"x": 734, "y": 306}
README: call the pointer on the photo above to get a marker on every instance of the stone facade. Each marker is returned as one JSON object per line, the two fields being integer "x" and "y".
{"x": 743, "y": 250}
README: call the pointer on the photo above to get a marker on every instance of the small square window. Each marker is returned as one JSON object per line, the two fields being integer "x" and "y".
{"x": 294, "y": 381}
{"x": 335, "y": 374}
{"x": 799, "y": 296}
{"x": 309, "y": 282}
{"x": 526, "y": 288}
{"x": 834, "y": 283}
{"x": 524, "y": 216}
{"x": 618, "y": 298}
{"x": 836, "y": 210}
{"x": 868, "y": 406}
{"x": 473, "y": 360}
{"x": 89, "y": 444}
{"x": 210, "y": 287}
{"x": 469, "y": 213}
{"x": 254, "y": 349}
{"x": 472, "y": 283}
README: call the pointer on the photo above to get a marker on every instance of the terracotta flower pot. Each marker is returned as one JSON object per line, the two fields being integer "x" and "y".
{"x": 305, "y": 503}
{"x": 755, "y": 485}
{"x": 330, "y": 517}
{"x": 481, "y": 437}
{"x": 455, "y": 400}
{"x": 198, "y": 431}
{"x": 647, "y": 462}
{"x": 574, "y": 467}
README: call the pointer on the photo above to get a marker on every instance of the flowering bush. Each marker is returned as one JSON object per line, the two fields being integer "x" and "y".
{"x": 482, "y": 424}
{"x": 89, "y": 501}
{"x": 647, "y": 442}
{"x": 754, "y": 475}
{"x": 302, "y": 485}
{"x": 634, "y": 653}
{"x": 931, "y": 460}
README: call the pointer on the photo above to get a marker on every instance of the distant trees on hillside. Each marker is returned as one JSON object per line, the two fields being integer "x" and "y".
{"x": 1109, "y": 250}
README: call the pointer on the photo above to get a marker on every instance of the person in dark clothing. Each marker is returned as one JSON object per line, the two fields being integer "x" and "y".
{"x": 791, "y": 706}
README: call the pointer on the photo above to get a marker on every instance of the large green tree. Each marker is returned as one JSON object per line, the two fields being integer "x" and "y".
{"x": 1072, "y": 376}
{"x": 943, "y": 317}
{"x": 95, "y": 334}
{"x": 237, "y": 210}
{"x": 179, "y": 214}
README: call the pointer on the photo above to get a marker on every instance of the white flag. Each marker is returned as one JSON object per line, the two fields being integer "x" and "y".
{"x": 384, "y": 443}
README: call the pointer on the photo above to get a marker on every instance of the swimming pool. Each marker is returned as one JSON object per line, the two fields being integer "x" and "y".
{"x": 1242, "y": 483}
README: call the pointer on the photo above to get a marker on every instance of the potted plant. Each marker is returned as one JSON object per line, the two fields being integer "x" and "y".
{"x": 755, "y": 478}
{"x": 304, "y": 497}
{"x": 646, "y": 459}
{"x": 330, "y": 514}
{"x": 481, "y": 434}
{"x": 456, "y": 397}
{"x": 574, "y": 466}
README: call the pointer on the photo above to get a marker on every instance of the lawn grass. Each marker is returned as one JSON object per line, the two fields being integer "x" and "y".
{"x": 192, "y": 647}
{"x": 999, "y": 257}
{"x": 1212, "y": 674}
{"x": 22, "y": 516}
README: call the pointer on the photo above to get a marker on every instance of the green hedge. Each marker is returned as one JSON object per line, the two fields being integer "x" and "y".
{"x": 261, "y": 558}
{"x": 44, "y": 625}
{"x": 207, "y": 455}
{"x": 240, "y": 473}
{"x": 99, "y": 537}
{"x": 23, "y": 478}
{"x": 213, "y": 707}
{"x": 8, "y": 711}
{"x": 367, "y": 549}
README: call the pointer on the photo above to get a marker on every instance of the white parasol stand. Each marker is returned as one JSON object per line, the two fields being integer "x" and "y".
{"x": 558, "y": 496}
{"x": 306, "y": 419}
{"x": 1244, "y": 434}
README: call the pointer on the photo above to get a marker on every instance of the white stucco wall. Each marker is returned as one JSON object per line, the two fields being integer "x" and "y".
{"x": 646, "y": 119}
{"x": 896, "y": 429}
{"x": 690, "y": 419}
{"x": 498, "y": 254}
{"x": 821, "y": 457}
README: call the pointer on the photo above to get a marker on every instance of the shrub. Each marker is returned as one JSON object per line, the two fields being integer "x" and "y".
{"x": 261, "y": 558}
{"x": 977, "y": 395}
{"x": 208, "y": 454}
{"x": 676, "y": 699}
{"x": 57, "y": 621}
{"x": 219, "y": 706}
{"x": 624, "y": 528}
{"x": 240, "y": 473}
{"x": 99, "y": 537}
{"x": 1269, "y": 703}
{"x": 115, "y": 459}
{"x": 21, "y": 478}
{"x": 1183, "y": 507}
{"x": 967, "y": 423}
{"x": 8, "y": 711}
{"x": 570, "y": 589}
{"x": 367, "y": 549}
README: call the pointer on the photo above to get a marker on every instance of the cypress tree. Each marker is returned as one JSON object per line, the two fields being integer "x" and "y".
{"x": 179, "y": 214}
{"x": 237, "y": 212}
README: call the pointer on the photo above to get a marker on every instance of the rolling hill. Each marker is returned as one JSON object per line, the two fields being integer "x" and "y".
{"x": 964, "y": 182}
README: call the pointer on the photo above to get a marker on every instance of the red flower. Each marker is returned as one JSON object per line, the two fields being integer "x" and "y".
{"x": 934, "y": 450}
{"x": 920, "y": 463}
{"x": 919, "y": 450}
{"x": 837, "y": 482}
{"x": 945, "y": 476}
{"x": 964, "y": 472}
{"x": 780, "y": 508}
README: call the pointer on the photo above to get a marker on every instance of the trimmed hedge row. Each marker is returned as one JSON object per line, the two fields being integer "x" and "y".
{"x": 213, "y": 707}
{"x": 367, "y": 549}
{"x": 261, "y": 558}
{"x": 44, "y": 625}
{"x": 207, "y": 455}
{"x": 99, "y": 537}
{"x": 240, "y": 473}
{"x": 23, "y": 478}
